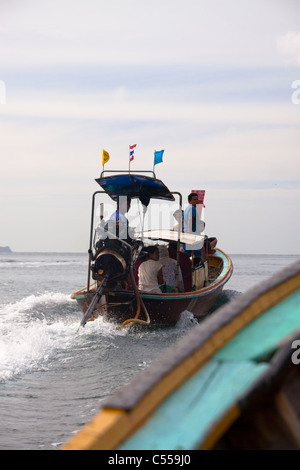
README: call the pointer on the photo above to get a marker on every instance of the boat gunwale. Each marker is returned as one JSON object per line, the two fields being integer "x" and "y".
{"x": 182, "y": 360}
{"x": 217, "y": 283}
{"x": 202, "y": 343}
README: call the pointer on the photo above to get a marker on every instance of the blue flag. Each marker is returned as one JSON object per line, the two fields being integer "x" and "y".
{"x": 158, "y": 156}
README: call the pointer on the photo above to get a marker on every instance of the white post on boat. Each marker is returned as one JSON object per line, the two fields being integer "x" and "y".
{"x": 178, "y": 250}
{"x": 178, "y": 239}
{"x": 100, "y": 227}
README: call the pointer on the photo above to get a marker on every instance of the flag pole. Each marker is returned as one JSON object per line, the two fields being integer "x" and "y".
{"x": 131, "y": 153}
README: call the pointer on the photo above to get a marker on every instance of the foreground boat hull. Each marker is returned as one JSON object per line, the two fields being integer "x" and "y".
{"x": 164, "y": 309}
{"x": 232, "y": 382}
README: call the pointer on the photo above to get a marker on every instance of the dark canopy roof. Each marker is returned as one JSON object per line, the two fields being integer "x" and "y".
{"x": 135, "y": 186}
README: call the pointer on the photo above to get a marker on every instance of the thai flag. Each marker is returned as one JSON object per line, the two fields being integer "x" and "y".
{"x": 131, "y": 152}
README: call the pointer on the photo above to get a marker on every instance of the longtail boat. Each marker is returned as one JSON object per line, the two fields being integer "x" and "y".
{"x": 114, "y": 293}
{"x": 233, "y": 382}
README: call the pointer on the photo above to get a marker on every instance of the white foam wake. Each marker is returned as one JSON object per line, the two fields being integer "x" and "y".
{"x": 26, "y": 343}
{"x": 39, "y": 328}
{"x": 15, "y": 309}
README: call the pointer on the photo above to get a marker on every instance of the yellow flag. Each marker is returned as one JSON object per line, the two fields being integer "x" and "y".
{"x": 105, "y": 157}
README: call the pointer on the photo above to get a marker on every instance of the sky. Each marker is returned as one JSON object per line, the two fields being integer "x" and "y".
{"x": 215, "y": 84}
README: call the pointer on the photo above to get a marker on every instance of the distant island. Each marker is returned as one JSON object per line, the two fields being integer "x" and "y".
{"x": 5, "y": 249}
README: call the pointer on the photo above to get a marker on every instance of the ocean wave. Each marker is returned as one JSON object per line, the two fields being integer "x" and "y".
{"x": 230, "y": 294}
{"x": 186, "y": 321}
{"x": 226, "y": 296}
{"x": 43, "y": 328}
{"x": 12, "y": 310}
{"x": 13, "y": 263}
{"x": 26, "y": 338}
{"x": 29, "y": 348}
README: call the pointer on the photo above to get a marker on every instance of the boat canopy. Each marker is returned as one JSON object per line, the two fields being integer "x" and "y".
{"x": 135, "y": 186}
{"x": 172, "y": 236}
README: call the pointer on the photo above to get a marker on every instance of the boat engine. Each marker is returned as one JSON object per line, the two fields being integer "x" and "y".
{"x": 112, "y": 258}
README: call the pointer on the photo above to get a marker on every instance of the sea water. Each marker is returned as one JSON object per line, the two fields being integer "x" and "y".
{"x": 54, "y": 375}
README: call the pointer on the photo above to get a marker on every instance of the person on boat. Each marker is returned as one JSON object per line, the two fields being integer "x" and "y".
{"x": 178, "y": 216}
{"x": 185, "y": 265}
{"x": 99, "y": 230}
{"x": 116, "y": 229}
{"x": 211, "y": 244}
{"x": 169, "y": 270}
{"x": 192, "y": 223}
{"x": 150, "y": 276}
{"x": 118, "y": 223}
{"x": 191, "y": 219}
{"x": 143, "y": 256}
{"x": 123, "y": 206}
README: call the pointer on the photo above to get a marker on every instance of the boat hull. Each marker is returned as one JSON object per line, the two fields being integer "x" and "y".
{"x": 163, "y": 309}
{"x": 232, "y": 383}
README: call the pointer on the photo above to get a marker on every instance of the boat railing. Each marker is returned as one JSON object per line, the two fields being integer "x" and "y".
{"x": 126, "y": 171}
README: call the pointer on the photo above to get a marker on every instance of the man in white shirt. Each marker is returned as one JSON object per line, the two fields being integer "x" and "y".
{"x": 150, "y": 272}
{"x": 169, "y": 269}
{"x": 118, "y": 223}
{"x": 192, "y": 222}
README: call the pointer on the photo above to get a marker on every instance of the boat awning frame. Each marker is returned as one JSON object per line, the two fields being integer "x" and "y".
{"x": 135, "y": 185}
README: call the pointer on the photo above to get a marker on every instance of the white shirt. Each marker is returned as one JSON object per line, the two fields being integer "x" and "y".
{"x": 124, "y": 229}
{"x": 99, "y": 231}
{"x": 148, "y": 271}
{"x": 120, "y": 216}
{"x": 191, "y": 217}
{"x": 197, "y": 224}
{"x": 169, "y": 273}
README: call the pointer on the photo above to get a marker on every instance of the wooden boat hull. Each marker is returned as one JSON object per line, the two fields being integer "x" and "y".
{"x": 233, "y": 382}
{"x": 164, "y": 309}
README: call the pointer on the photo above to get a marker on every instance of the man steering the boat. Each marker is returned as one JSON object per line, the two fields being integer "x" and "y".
{"x": 116, "y": 227}
{"x": 115, "y": 246}
{"x": 123, "y": 206}
{"x": 192, "y": 223}
{"x": 118, "y": 224}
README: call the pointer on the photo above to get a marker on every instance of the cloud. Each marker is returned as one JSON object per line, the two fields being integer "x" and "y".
{"x": 289, "y": 45}
{"x": 205, "y": 82}
{"x": 114, "y": 105}
{"x": 149, "y": 32}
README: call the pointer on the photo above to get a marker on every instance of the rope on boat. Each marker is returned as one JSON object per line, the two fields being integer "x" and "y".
{"x": 139, "y": 304}
{"x": 84, "y": 288}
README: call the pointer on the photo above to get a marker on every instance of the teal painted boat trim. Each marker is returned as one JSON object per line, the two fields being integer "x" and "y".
{"x": 190, "y": 295}
{"x": 264, "y": 334}
{"x": 205, "y": 398}
{"x": 182, "y": 421}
